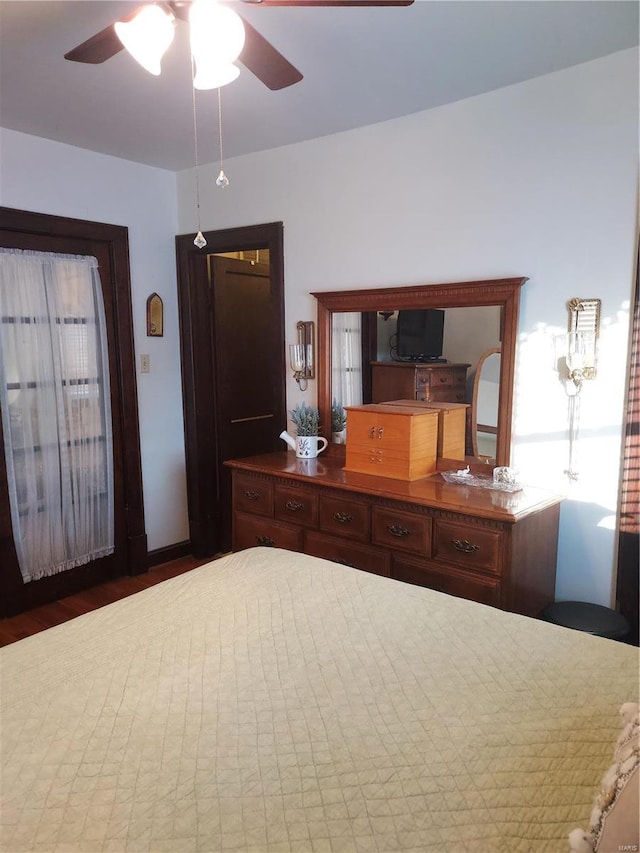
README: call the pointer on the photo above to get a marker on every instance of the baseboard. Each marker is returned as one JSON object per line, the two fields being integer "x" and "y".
{"x": 170, "y": 552}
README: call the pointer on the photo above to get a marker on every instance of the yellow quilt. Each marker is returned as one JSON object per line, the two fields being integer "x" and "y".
{"x": 271, "y": 702}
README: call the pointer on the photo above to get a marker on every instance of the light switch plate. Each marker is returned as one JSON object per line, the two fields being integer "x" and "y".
{"x": 145, "y": 364}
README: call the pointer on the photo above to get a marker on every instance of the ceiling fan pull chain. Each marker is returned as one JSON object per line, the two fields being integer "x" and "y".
{"x": 222, "y": 180}
{"x": 199, "y": 241}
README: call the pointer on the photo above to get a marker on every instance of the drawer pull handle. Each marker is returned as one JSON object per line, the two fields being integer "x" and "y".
{"x": 342, "y": 517}
{"x": 251, "y": 496}
{"x": 294, "y": 506}
{"x": 443, "y": 379}
{"x": 265, "y": 540}
{"x": 465, "y": 546}
{"x": 372, "y": 432}
{"x": 423, "y": 380}
{"x": 380, "y": 433}
{"x": 346, "y": 563}
{"x": 397, "y": 530}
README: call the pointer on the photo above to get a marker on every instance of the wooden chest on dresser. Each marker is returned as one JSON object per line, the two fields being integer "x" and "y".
{"x": 493, "y": 547}
{"x": 430, "y": 383}
{"x": 392, "y": 441}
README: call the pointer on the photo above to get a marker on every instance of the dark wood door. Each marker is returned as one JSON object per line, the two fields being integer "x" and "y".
{"x": 109, "y": 244}
{"x": 248, "y": 366}
{"x": 232, "y": 342}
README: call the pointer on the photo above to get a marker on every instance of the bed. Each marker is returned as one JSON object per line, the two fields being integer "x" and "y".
{"x": 273, "y": 702}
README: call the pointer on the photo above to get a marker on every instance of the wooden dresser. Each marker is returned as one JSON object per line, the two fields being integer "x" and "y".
{"x": 430, "y": 383}
{"x": 494, "y": 547}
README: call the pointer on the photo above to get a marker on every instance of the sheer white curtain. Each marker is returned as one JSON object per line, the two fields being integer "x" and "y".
{"x": 346, "y": 359}
{"x": 56, "y": 413}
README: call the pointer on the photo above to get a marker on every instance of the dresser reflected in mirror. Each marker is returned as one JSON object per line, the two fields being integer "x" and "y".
{"x": 433, "y": 343}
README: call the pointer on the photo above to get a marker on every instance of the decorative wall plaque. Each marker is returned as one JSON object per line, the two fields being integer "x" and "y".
{"x": 154, "y": 316}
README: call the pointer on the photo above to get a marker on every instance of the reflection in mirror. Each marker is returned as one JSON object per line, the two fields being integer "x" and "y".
{"x": 467, "y": 334}
{"x": 346, "y": 360}
{"x": 485, "y": 406}
{"x": 357, "y": 328}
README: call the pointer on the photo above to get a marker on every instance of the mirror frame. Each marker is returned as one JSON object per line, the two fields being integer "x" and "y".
{"x": 502, "y": 292}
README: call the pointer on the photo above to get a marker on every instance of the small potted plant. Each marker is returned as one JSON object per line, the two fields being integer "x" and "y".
{"x": 338, "y": 423}
{"x": 307, "y": 421}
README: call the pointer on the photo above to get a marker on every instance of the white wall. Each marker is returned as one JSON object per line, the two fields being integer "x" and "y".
{"x": 47, "y": 177}
{"x": 537, "y": 179}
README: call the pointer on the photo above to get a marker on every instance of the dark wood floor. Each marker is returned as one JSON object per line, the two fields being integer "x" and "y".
{"x": 17, "y": 627}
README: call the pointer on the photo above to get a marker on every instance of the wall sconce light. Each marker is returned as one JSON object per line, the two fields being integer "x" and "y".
{"x": 302, "y": 355}
{"x": 580, "y": 359}
{"x": 582, "y": 340}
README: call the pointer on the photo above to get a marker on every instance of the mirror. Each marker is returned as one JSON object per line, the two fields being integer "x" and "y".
{"x": 504, "y": 294}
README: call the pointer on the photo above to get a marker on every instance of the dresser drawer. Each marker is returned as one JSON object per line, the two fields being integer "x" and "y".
{"x": 448, "y": 580}
{"x": 345, "y": 517}
{"x": 389, "y": 463}
{"x": 249, "y": 531}
{"x": 252, "y": 495}
{"x": 468, "y": 546}
{"x": 346, "y": 553}
{"x": 403, "y": 531}
{"x": 441, "y": 377}
{"x": 298, "y": 506}
{"x": 445, "y": 394}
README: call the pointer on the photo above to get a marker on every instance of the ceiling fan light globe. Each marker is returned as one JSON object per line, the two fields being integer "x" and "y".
{"x": 147, "y": 37}
{"x": 212, "y": 75}
{"x": 215, "y": 31}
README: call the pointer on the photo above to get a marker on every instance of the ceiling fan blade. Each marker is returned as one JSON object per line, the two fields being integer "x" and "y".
{"x": 261, "y": 58}
{"x": 98, "y": 48}
{"x": 330, "y": 2}
{"x": 101, "y": 46}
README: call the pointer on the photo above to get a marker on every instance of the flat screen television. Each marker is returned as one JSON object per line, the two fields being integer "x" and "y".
{"x": 419, "y": 334}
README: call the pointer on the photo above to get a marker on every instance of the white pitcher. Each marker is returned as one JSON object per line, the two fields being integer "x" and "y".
{"x": 305, "y": 446}
{"x": 310, "y": 446}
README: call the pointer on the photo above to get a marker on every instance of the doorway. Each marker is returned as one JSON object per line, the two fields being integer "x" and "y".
{"x": 109, "y": 244}
{"x": 231, "y": 304}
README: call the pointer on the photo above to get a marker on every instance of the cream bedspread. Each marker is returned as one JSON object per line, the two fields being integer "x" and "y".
{"x": 270, "y": 701}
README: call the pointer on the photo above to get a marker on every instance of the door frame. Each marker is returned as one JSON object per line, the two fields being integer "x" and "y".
{"x": 112, "y": 241}
{"x": 198, "y": 374}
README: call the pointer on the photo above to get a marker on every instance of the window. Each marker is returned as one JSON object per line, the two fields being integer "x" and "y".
{"x": 55, "y": 397}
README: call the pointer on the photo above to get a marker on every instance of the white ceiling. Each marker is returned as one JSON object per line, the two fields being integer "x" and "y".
{"x": 361, "y": 65}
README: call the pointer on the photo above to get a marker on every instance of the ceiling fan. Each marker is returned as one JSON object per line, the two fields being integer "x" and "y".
{"x": 257, "y": 55}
